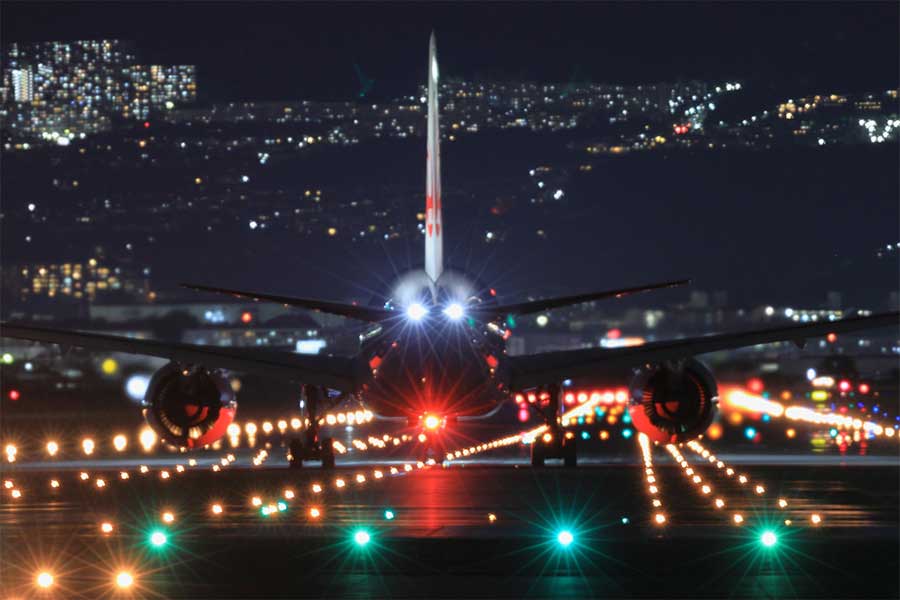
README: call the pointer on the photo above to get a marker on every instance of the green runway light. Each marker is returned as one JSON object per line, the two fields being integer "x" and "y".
{"x": 768, "y": 539}
{"x": 158, "y": 539}
{"x": 565, "y": 538}
{"x": 361, "y": 537}
{"x": 389, "y": 515}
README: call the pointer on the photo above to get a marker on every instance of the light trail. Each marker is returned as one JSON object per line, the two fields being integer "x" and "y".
{"x": 653, "y": 486}
{"x": 528, "y": 437}
{"x": 703, "y": 488}
{"x": 759, "y": 489}
{"x": 756, "y": 404}
{"x": 742, "y": 478}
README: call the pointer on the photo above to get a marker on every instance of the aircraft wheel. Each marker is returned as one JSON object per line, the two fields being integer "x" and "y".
{"x": 327, "y": 453}
{"x": 570, "y": 454}
{"x": 295, "y": 453}
{"x": 537, "y": 454}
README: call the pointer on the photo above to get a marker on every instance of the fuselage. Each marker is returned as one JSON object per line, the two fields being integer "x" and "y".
{"x": 434, "y": 359}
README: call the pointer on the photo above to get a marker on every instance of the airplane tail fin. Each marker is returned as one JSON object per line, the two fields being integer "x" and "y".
{"x": 434, "y": 244}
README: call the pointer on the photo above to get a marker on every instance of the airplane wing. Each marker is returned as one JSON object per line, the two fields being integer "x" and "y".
{"x": 541, "y": 369}
{"x": 363, "y": 313}
{"x": 340, "y": 373}
{"x": 524, "y": 308}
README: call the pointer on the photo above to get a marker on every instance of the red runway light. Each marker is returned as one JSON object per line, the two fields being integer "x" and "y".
{"x": 246, "y": 317}
{"x": 844, "y": 385}
{"x": 755, "y": 385}
{"x": 864, "y": 388}
{"x": 432, "y": 422}
{"x": 14, "y": 394}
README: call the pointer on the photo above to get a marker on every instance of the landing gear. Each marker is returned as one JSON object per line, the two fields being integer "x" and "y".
{"x": 565, "y": 449}
{"x": 553, "y": 443}
{"x": 310, "y": 446}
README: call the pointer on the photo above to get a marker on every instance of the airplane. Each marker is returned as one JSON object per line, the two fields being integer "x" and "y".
{"x": 434, "y": 353}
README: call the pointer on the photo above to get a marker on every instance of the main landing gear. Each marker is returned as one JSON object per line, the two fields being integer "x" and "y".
{"x": 311, "y": 446}
{"x": 553, "y": 443}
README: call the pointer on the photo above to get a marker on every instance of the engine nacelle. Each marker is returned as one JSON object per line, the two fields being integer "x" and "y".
{"x": 188, "y": 406}
{"x": 673, "y": 404}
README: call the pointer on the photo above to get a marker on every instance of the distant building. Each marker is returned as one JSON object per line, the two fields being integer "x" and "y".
{"x": 63, "y": 90}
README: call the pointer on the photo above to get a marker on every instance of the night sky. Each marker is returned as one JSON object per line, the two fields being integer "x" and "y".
{"x": 771, "y": 227}
{"x": 311, "y": 50}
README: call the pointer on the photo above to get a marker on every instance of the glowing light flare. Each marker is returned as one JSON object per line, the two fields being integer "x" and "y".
{"x": 147, "y": 438}
{"x": 124, "y": 580}
{"x": 158, "y": 539}
{"x": 565, "y": 538}
{"x": 44, "y": 579}
{"x": 416, "y": 311}
{"x": 120, "y": 442}
{"x": 217, "y": 509}
{"x": 455, "y": 311}
{"x": 768, "y": 539}
{"x": 362, "y": 537}
{"x": 52, "y": 448}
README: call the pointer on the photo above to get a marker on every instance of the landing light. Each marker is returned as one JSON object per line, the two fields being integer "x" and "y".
{"x": 455, "y": 311}
{"x": 416, "y": 311}
{"x": 432, "y": 422}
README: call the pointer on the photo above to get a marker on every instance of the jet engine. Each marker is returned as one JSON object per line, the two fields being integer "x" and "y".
{"x": 189, "y": 406}
{"x": 673, "y": 402}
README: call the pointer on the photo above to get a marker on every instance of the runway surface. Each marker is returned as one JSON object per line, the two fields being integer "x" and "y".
{"x": 442, "y": 540}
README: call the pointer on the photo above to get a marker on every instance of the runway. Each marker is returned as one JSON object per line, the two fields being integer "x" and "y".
{"x": 442, "y": 539}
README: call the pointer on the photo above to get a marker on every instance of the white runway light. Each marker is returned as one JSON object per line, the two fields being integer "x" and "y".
{"x": 416, "y": 311}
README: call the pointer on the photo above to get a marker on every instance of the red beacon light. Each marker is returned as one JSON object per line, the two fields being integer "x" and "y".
{"x": 246, "y": 317}
{"x": 755, "y": 385}
{"x": 864, "y": 388}
{"x": 844, "y": 385}
{"x": 14, "y": 395}
{"x": 432, "y": 422}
